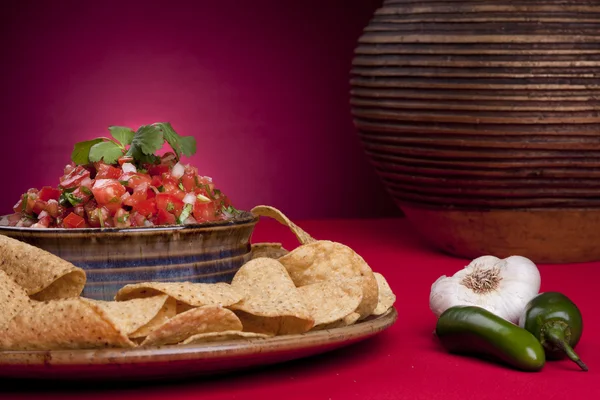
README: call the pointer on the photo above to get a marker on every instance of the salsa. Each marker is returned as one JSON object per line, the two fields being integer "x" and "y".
{"x": 127, "y": 192}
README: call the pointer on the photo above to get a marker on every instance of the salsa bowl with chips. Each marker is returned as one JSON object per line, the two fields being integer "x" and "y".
{"x": 127, "y": 211}
{"x": 114, "y": 257}
{"x": 280, "y": 305}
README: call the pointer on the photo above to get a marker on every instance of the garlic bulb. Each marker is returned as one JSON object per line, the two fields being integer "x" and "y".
{"x": 502, "y": 287}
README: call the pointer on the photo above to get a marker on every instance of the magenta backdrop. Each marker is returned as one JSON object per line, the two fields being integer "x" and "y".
{"x": 262, "y": 85}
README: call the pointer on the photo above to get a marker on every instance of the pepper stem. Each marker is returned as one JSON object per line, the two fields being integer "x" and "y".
{"x": 556, "y": 336}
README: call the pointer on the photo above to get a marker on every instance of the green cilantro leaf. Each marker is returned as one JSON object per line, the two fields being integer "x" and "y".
{"x": 81, "y": 151}
{"x": 123, "y": 134}
{"x": 85, "y": 190}
{"x": 181, "y": 144}
{"x": 187, "y": 210}
{"x": 147, "y": 140}
{"x": 181, "y": 186}
{"x": 68, "y": 199}
{"x": 109, "y": 151}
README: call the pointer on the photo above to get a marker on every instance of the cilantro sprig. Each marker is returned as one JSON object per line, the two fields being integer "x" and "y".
{"x": 141, "y": 144}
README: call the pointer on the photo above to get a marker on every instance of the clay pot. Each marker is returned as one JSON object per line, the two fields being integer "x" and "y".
{"x": 482, "y": 119}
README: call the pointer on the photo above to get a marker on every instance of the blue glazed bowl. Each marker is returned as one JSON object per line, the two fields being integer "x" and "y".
{"x": 113, "y": 257}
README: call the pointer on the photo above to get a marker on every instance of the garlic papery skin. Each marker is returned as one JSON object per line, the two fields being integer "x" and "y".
{"x": 501, "y": 286}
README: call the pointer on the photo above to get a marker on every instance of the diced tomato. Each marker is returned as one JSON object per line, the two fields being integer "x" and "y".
{"x": 114, "y": 198}
{"x": 164, "y": 218}
{"x": 147, "y": 208}
{"x": 171, "y": 186}
{"x": 74, "y": 177}
{"x": 158, "y": 170}
{"x": 133, "y": 199}
{"x": 82, "y": 194}
{"x": 49, "y": 193}
{"x": 68, "y": 168}
{"x": 135, "y": 179}
{"x": 121, "y": 219}
{"x": 38, "y": 206}
{"x": 107, "y": 193}
{"x": 105, "y": 171}
{"x": 188, "y": 181}
{"x": 73, "y": 221}
{"x": 43, "y": 222}
{"x": 99, "y": 217}
{"x": 52, "y": 208}
{"x": 156, "y": 181}
{"x": 204, "y": 211}
{"x": 169, "y": 203}
{"x": 27, "y": 203}
{"x": 137, "y": 219}
{"x": 93, "y": 214}
{"x": 125, "y": 159}
{"x": 79, "y": 210}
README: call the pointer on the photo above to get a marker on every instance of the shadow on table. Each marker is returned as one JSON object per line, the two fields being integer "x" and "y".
{"x": 313, "y": 365}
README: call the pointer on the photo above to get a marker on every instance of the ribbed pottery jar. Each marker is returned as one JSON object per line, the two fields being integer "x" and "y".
{"x": 482, "y": 119}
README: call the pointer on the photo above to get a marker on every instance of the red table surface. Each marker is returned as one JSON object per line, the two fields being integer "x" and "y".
{"x": 403, "y": 362}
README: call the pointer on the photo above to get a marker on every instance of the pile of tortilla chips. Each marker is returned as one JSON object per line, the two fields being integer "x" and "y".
{"x": 319, "y": 285}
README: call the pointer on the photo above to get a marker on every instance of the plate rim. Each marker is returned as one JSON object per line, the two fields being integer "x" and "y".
{"x": 204, "y": 351}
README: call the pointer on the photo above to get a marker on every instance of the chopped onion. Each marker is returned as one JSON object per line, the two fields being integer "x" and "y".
{"x": 128, "y": 167}
{"x": 190, "y": 220}
{"x": 87, "y": 182}
{"x": 178, "y": 171}
{"x": 202, "y": 198}
{"x": 148, "y": 223}
{"x": 42, "y": 215}
{"x": 189, "y": 198}
{"x": 4, "y": 221}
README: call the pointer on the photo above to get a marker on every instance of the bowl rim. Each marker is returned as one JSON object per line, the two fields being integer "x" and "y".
{"x": 245, "y": 217}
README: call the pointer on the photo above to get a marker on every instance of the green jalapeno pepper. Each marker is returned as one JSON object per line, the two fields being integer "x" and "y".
{"x": 476, "y": 331}
{"x": 556, "y": 321}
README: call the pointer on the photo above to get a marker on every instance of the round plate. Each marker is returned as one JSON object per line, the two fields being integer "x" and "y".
{"x": 180, "y": 361}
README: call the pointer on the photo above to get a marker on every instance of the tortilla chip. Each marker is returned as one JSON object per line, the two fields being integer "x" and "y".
{"x": 271, "y": 303}
{"x": 62, "y": 324}
{"x": 324, "y": 260}
{"x": 269, "y": 250}
{"x": 191, "y": 294}
{"x": 222, "y": 336}
{"x": 43, "y": 275}
{"x": 132, "y": 315}
{"x": 168, "y": 311}
{"x": 387, "y": 298}
{"x": 351, "y": 318}
{"x": 331, "y": 300}
{"x": 272, "y": 212}
{"x": 348, "y": 320}
{"x": 197, "y": 320}
{"x": 13, "y": 299}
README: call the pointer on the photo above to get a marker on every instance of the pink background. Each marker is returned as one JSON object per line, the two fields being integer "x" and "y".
{"x": 262, "y": 85}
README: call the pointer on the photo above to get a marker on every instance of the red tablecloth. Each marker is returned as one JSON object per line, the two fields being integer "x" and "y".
{"x": 404, "y": 362}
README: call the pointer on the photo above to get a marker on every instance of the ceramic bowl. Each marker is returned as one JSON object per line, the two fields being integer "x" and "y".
{"x": 113, "y": 257}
